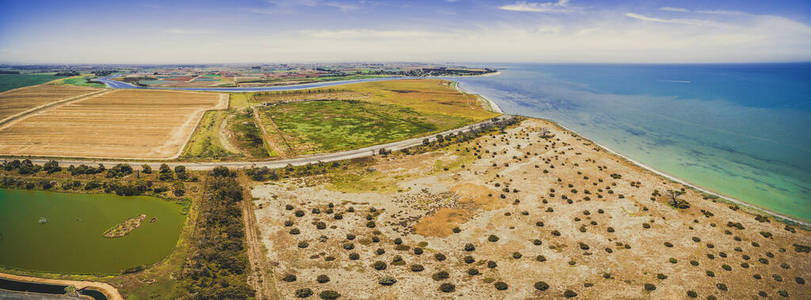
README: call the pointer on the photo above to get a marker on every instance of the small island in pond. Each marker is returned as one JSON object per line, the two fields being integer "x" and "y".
{"x": 125, "y": 227}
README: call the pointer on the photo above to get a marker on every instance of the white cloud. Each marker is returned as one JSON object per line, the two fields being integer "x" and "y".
{"x": 674, "y": 9}
{"x": 723, "y": 12}
{"x": 290, "y": 6}
{"x": 673, "y": 21}
{"x": 186, "y": 31}
{"x": 370, "y": 34}
{"x": 599, "y": 37}
{"x": 561, "y": 6}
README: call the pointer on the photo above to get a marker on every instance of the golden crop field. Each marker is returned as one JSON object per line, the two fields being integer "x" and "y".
{"x": 127, "y": 124}
{"x": 19, "y": 100}
{"x": 434, "y": 96}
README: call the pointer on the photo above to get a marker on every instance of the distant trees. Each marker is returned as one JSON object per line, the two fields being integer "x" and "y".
{"x": 146, "y": 169}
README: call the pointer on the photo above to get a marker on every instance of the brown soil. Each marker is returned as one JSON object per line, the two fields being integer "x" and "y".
{"x": 442, "y": 222}
{"x": 127, "y": 124}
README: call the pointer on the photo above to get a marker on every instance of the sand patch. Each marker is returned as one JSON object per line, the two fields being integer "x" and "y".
{"x": 441, "y": 223}
{"x": 479, "y": 195}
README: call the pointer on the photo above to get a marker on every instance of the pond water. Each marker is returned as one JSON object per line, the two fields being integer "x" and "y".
{"x": 64, "y": 232}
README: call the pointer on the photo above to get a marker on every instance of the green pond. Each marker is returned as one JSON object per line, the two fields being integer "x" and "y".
{"x": 72, "y": 240}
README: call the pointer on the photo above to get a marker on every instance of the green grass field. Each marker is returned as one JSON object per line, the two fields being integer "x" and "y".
{"x": 82, "y": 81}
{"x": 13, "y": 81}
{"x": 205, "y": 143}
{"x": 328, "y": 126}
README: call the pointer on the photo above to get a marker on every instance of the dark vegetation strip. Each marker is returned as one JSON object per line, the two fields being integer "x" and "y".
{"x": 217, "y": 267}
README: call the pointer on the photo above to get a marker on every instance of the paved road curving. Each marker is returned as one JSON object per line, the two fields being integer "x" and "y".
{"x": 326, "y": 157}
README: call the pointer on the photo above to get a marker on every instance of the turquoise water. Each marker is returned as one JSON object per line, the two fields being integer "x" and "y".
{"x": 740, "y": 130}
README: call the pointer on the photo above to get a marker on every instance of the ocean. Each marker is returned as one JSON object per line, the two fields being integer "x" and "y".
{"x": 740, "y": 130}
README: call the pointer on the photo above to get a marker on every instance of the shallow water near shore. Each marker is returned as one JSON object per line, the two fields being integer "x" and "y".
{"x": 741, "y": 130}
{"x": 71, "y": 238}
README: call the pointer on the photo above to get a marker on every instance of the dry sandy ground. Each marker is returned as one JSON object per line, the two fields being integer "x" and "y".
{"x": 126, "y": 124}
{"x": 22, "y": 99}
{"x": 556, "y": 216}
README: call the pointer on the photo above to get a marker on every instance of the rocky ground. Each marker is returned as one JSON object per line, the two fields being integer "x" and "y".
{"x": 516, "y": 215}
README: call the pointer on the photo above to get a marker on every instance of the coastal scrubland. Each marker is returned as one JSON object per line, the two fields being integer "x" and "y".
{"x": 533, "y": 211}
{"x": 134, "y": 124}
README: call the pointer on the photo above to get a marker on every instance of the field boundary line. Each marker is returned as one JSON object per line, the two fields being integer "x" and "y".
{"x": 200, "y": 114}
{"x": 13, "y": 119}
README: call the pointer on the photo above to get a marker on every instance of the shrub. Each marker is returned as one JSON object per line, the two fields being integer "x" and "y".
{"x": 540, "y": 258}
{"x": 354, "y": 256}
{"x": 649, "y": 287}
{"x": 537, "y": 242}
{"x": 492, "y": 238}
{"x": 569, "y": 294}
{"x": 473, "y": 272}
{"x": 517, "y": 255}
{"x": 469, "y": 247}
{"x": 417, "y": 268}
{"x": 500, "y": 285}
{"x": 304, "y": 293}
{"x": 418, "y": 251}
{"x": 379, "y": 265}
{"x": 387, "y": 281}
{"x": 441, "y": 275}
{"x": 295, "y": 231}
{"x": 380, "y": 251}
{"x": 673, "y": 260}
{"x": 322, "y": 278}
{"x": 447, "y": 287}
{"x": 349, "y": 246}
{"x": 541, "y": 286}
{"x": 303, "y": 244}
{"x": 289, "y": 278}
{"x": 721, "y": 286}
{"x": 398, "y": 261}
{"x": 692, "y": 294}
{"x": 491, "y": 264}
{"x": 439, "y": 256}
{"x": 329, "y": 294}
{"x": 661, "y": 276}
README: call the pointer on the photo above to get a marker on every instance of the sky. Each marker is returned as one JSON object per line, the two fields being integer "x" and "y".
{"x": 271, "y": 31}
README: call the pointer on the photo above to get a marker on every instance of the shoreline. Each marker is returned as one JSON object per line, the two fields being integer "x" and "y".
{"x": 697, "y": 187}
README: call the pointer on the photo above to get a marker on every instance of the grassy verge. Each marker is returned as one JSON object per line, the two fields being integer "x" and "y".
{"x": 205, "y": 142}
{"x": 248, "y": 135}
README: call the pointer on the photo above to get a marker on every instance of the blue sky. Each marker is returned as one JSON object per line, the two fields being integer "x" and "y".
{"x": 78, "y": 31}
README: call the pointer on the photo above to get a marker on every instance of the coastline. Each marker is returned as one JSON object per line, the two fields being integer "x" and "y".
{"x": 494, "y": 107}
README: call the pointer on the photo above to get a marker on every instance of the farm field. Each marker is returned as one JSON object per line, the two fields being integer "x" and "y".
{"x": 13, "y": 81}
{"x": 17, "y": 101}
{"x": 125, "y": 124}
{"x": 336, "y": 125}
{"x": 364, "y": 114}
{"x": 422, "y": 95}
